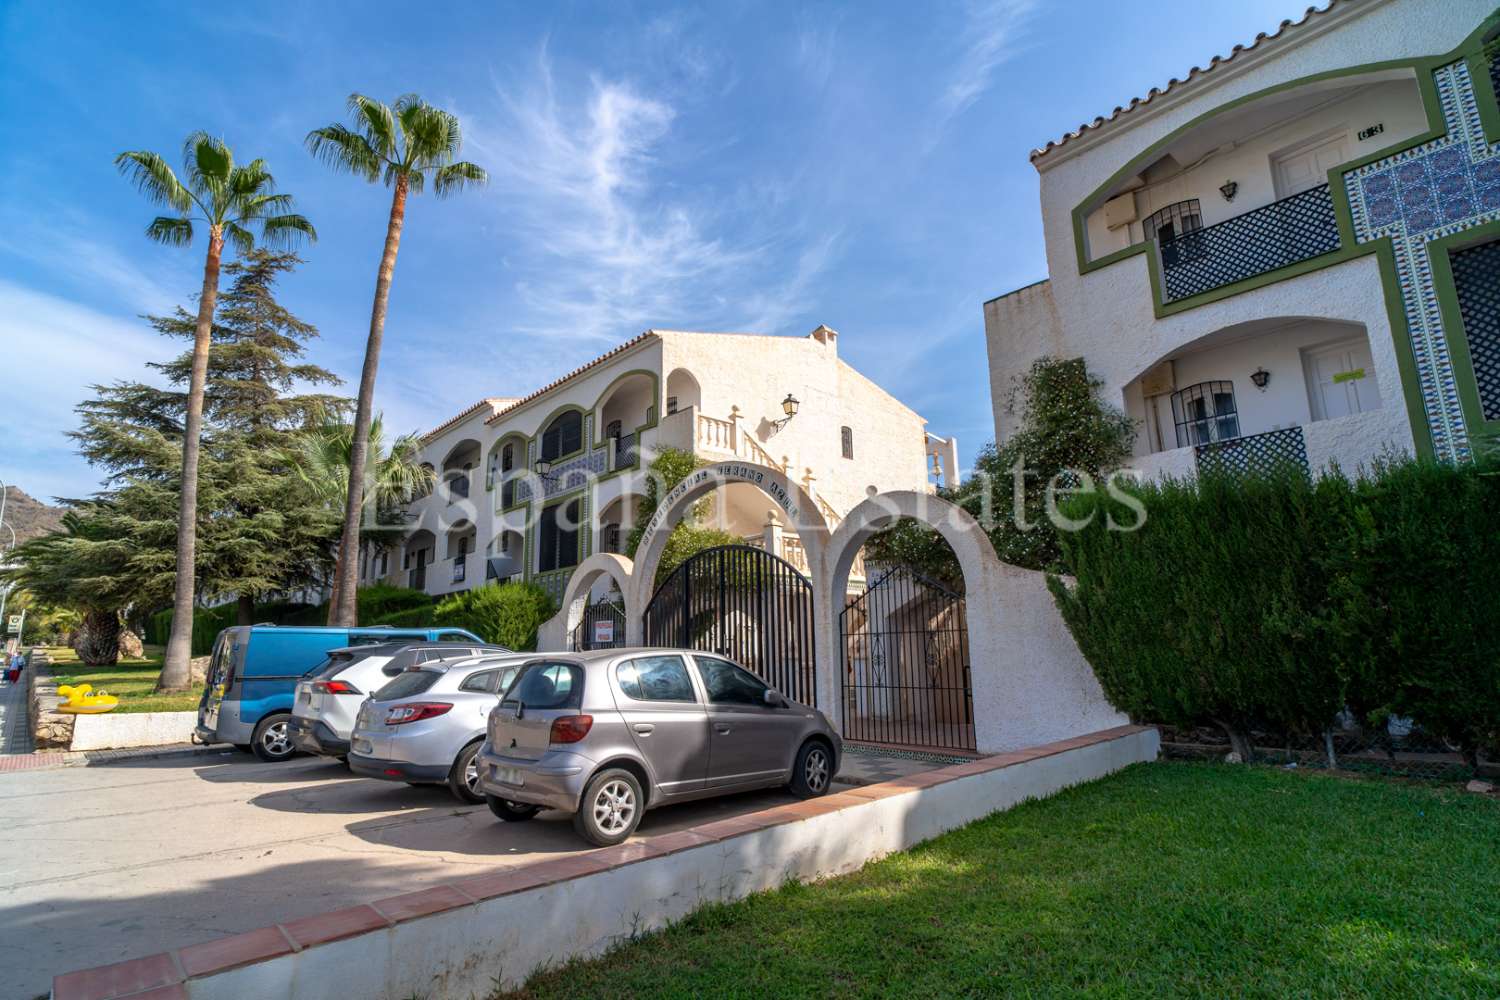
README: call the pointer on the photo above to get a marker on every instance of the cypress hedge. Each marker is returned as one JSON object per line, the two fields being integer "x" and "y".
{"x": 1278, "y": 601}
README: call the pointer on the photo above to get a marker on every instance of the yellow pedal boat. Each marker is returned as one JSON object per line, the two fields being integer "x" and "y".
{"x": 82, "y": 700}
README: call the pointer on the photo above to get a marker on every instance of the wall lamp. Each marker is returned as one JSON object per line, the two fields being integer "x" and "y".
{"x": 1261, "y": 378}
{"x": 543, "y": 469}
{"x": 1228, "y": 189}
{"x": 789, "y": 407}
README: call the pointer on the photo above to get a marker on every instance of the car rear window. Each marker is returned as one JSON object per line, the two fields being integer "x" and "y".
{"x": 333, "y": 665}
{"x": 406, "y": 684}
{"x": 548, "y": 685}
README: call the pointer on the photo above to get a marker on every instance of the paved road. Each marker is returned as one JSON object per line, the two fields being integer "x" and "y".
{"x": 108, "y": 862}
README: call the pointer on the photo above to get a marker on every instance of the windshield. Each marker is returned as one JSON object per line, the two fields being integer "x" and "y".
{"x": 548, "y": 685}
{"x": 406, "y": 684}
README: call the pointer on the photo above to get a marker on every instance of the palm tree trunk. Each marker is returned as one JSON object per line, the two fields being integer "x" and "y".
{"x": 348, "y": 565}
{"x": 174, "y": 669}
{"x": 99, "y": 637}
{"x": 333, "y": 589}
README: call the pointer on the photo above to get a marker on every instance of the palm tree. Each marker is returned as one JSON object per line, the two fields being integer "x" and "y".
{"x": 231, "y": 200}
{"x": 400, "y": 145}
{"x": 323, "y": 458}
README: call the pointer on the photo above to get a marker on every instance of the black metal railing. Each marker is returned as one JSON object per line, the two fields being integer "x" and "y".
{"x": 507, "y": 493}
{"x": 1284, "y": 232}
{"x": 906, "y": 676}
{"x": 458, "y": 488}
{"x": 1476, "y": 278}
{"x": 459, "y": 569}
{"x": 601, "y": 627}
{"x": 624, "y": 451}
{"x": 1255, "y": 454}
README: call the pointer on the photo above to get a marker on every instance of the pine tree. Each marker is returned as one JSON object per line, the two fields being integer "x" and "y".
{"x": 259, "y": 528}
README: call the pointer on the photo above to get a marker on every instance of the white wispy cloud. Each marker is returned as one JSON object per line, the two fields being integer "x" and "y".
{"x": 56, "y": 349}
{"x": 610, "y": 237}
{"x": 993, "y": 30}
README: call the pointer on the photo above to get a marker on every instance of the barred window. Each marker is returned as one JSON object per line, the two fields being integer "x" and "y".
{"x": 846, "y": 441}
{"x": 1205, "y": 412}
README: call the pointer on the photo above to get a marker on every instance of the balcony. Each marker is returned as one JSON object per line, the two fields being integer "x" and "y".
{"x": 622, "y": 453}
{"x": 1274, "y": 236}
{"x": 458, "y": 488}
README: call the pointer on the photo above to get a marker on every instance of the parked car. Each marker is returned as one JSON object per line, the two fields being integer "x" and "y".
{"x": 327, "y": 700}
{"x": 425, "y": 725}
{"x": 609, "y": 734}
{"x": 254, "y": 669}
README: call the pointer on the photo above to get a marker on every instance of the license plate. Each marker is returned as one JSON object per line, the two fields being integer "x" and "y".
{"x": 363, "y": 747}
{"x": 508, "y": 776}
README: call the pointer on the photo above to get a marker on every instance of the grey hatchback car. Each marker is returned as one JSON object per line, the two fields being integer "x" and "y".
{"x": 609, "y": 734}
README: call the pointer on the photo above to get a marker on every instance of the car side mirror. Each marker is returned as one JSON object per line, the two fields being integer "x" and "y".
{"x": 774, "y": 699}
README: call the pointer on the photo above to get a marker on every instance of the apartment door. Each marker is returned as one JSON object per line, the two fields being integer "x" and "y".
{"x": 1307, "y": 166}
{"x": 1341, "y": 380}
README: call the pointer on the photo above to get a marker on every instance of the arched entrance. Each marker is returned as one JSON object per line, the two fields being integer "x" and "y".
{"x": 744, "y": 603}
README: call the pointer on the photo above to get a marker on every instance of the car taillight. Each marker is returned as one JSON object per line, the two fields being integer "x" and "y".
{"x": 571, "y": 728}
{"x": 415, "y": 713}
{"x": 334, "y": 687}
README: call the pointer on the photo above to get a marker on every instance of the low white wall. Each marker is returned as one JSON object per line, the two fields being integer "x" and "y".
{"x": 469, "y": 950}
{"x": 116, "y": 731}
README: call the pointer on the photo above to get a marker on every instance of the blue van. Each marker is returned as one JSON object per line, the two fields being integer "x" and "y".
{"x": 253, "y": 675}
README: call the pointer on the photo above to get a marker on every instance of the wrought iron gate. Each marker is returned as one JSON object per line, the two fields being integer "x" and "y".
{"x": 602, "y": 627}
{"x": 744, "y": 603}
{"x": 906, "y": 677}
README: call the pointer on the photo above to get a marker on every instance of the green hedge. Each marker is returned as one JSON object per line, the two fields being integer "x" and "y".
{"x": 506, "y": 613}
{"x": 1277, "y": 602}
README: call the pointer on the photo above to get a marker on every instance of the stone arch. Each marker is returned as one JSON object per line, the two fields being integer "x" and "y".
{"x": 794, "y": 502}
{"x": 553, "y": 635}
{"x": 1030, "y": 683}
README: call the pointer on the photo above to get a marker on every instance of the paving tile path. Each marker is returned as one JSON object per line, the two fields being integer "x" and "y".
{"x": 15, "y": 731}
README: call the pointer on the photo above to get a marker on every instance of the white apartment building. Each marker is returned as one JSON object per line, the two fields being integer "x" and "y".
{"x": 530, "y": 487}
{"x": 1290, "y": 252}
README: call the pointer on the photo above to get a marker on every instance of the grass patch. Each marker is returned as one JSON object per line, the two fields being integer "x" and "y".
{"x": 1169, "y": 879}
{"x": 131, "y": 680}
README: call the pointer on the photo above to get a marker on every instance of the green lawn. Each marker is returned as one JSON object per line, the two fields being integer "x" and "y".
{"x": 131, "y": 681}
{"x": 1169, "y": 879}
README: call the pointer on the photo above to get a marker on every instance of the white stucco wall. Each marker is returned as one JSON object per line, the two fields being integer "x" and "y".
{"x": 115, "y": 730}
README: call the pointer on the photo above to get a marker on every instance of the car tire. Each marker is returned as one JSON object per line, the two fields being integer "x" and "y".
{"x": 271, "y": 742}
{"x": 511, "y": 812}
{"x": 610, "y": 808}
{"x": 812, "y": 774}
{"x": 463, "y": 777}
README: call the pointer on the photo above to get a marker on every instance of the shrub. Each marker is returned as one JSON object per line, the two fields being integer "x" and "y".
{"x": 504, "y": 613}
{"x": 1278, "y": 601}
{"x": 1203, "y": 615}
{"x": 376, "y": 604}
{"x": 688, "y": 540}
{"x": 421, "y": 617}
{"x": 1415, "y": 600}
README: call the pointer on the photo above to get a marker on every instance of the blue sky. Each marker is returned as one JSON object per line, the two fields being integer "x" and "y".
{"x": 726, "y": 166}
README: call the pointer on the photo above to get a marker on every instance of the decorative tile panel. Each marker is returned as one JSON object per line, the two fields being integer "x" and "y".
{"x": 1426, "y": 193}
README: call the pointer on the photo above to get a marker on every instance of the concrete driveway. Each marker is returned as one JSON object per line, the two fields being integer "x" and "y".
{"x": 104, "y": 863}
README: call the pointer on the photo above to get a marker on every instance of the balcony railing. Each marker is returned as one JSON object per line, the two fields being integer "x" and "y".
{"x": 622, "y": 455}
{"x": 1255, "y": 454}
{"x": 460, "y": 568}
{"x": 507, "y": 493}
{"x": 458, "y": 488}
{"x": 1284, "y": 232}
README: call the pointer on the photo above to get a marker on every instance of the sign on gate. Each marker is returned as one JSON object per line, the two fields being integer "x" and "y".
{"x": 604, "y": 631}
{"x": 13, "y": 625}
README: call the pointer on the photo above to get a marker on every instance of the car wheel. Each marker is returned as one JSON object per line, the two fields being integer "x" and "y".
{"x": 463, "y": 779}
{"x": 511, "y": 812}
{"x": 610, "y": 809}
{"x": 813, "y": 772}
{"x": 271, "y": 741}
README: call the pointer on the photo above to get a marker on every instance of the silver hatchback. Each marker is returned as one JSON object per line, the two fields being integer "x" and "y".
{"x": 425, "y": 725}
{"x": 609, "y": 734}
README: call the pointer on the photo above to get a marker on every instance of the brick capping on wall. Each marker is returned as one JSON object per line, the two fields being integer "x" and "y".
{"x": 167, "y": 974}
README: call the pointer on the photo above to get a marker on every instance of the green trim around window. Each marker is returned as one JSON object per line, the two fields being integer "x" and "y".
{"x": 1484, "y": 93}
{"x": 541, "y": 429}
{"x": 651, "y": 410}
{"x": 1465, "y": 381}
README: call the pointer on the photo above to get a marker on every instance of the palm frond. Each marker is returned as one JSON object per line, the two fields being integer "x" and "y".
{"x": 175, "y": 232}
{"x": 457, "y": 176}
{"x": 239, "y": 237}
{"x": 377, "y": 122}
{"x": 430, "y": 135}
{"x": 209, "y": 161}
{"x": 253, "y": 179}
{"x": 345, "y": 150}
{"x": 153, "y": 178}
{"x": 285, "y": 231}
{"x": 262, "y": 205}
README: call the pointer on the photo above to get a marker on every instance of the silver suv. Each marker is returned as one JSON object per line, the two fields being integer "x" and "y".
{"x": 424, "y": 726}
{"x": 609, "y": 734}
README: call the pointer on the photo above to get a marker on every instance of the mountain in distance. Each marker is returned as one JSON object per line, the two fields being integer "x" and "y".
{"x": 30, "y": 517}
